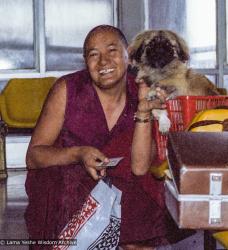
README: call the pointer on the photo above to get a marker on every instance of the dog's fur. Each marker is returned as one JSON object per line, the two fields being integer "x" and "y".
{"x": 160, "y": 57}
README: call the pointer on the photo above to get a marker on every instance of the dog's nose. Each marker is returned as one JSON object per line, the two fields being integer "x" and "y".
{"x": 159, "y": 52}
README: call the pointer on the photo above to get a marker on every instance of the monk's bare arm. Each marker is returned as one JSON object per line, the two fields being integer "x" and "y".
{"x": 41, "y": 151}
{"x": 143, "y": 145}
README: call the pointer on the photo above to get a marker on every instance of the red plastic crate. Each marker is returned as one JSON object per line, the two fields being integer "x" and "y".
{"x": 181, "y": 111}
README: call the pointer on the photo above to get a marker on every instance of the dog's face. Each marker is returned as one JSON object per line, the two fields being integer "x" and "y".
{"x": 157, "y": 48}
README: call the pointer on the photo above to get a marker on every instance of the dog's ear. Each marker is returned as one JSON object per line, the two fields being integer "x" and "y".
{"x": 135, "y": 54}
{"x": 182, "y": 54}
{"x": 182, "y": 49}
{"x": 136, "y": 47}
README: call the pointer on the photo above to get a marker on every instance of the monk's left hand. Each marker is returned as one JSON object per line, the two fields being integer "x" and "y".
{"x": 145, "y": 105}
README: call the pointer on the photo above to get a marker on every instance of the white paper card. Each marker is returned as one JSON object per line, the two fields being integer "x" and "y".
{"x": 112, "y": 162}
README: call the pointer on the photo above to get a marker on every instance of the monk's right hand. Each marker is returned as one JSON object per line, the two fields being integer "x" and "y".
{"x": 91, "y": 157}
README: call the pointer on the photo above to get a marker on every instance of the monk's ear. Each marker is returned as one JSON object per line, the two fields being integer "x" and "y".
{"x": 129, "y": 51}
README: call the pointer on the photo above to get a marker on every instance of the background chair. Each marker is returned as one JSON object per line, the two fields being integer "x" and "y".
{"x": 222, "y": 238}
{"x": 21, "y": 102}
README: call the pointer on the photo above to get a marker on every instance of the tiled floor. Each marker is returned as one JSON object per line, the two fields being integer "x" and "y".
{"x": 13, "y": 201}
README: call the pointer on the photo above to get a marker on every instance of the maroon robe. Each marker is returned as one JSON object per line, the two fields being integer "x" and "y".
{"x": 57, "y": 192}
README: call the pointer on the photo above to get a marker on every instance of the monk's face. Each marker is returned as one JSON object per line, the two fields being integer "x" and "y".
{"x": 107, "y": 59}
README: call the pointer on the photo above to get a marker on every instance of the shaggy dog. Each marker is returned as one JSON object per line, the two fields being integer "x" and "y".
{"x": 160, "y": 57}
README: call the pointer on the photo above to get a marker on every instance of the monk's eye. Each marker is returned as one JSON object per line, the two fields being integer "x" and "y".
{"x": 93, "y": 54}
{"x": 112, "y": 49}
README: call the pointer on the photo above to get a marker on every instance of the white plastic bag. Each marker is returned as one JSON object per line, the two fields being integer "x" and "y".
{"x": 97, "y": 225}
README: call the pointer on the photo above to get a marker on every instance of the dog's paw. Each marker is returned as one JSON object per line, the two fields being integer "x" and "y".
{"x": 163, "y": 120}
{"x": 164, "y": 124}
{"x": 171, "y": 91}
{"x": 152, "y": 95}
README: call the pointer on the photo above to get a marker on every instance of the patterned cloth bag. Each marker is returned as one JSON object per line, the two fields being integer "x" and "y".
{"x": 97, "y": 225}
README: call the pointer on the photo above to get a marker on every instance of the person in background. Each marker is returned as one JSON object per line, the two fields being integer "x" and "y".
{"x": 90, "y": 116}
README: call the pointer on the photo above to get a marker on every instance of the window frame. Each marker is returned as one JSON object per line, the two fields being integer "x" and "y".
{"x": 40, "y": 47}
{"x": 222, "y": 67}
{"x": 119, "y": 18}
